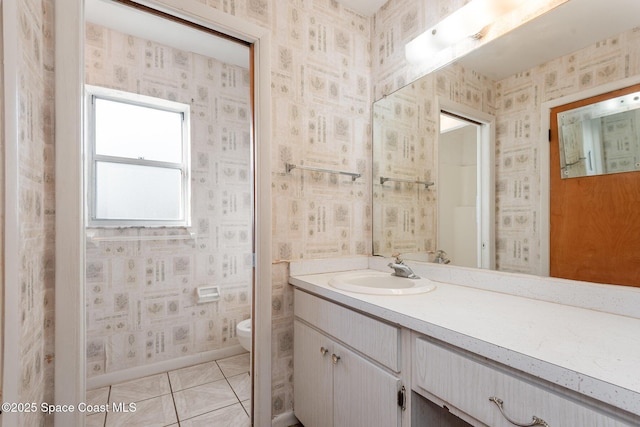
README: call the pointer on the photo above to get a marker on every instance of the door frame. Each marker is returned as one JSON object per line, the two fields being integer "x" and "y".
{"x": 10, "y": 312}
{"x": 70, "y": 363}
{"x": 486, "y": 181}
{"x": 545, "y": 167}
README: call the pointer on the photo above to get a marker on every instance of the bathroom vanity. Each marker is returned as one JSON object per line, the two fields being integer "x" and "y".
{"x": 336, "y": 358}
{"x": 492, "y": 348}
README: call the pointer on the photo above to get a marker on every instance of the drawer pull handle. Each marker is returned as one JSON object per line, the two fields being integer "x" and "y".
{"x": 535, "y": 422}
{"x": 323, "y": 350}
{"x": 335, "y": 359}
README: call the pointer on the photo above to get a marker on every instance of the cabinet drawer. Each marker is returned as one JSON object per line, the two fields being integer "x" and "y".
{"x": 374, "y": 338}
{"x": 467, "y": 385}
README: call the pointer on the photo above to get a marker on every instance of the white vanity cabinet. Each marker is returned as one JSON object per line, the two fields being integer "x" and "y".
{"x": 466, "y": 384}
{"x": 312, "y": 376}
{"x": 471, "y": 340}
{"x": 346, "y": 366}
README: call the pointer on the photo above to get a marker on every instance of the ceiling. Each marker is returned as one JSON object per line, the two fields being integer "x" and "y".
{"x": 364, "y": 7}
{"x": 561, "y": 31}
{"x": 132, "y": 21}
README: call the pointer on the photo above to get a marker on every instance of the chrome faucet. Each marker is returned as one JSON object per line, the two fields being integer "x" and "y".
{"x": 441, "y": 257}
{"x": 402, "y": 270}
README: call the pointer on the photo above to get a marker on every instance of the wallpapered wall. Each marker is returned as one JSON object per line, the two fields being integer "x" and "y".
{"x": 321, "y": 101}
{"x": 36, "y": 208}
{"x": 141, "y": 295}
{"x": 404, "y": 214}
{"x": 321, "y": 118}
{"x": 404, "y": 146}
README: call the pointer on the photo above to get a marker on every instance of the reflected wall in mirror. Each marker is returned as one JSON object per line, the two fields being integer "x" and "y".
{"x": 404, "y": 212}
{"x": 602, "y": 136}
{"x": 575, "y": 49}
{"x": 406, "y": 148}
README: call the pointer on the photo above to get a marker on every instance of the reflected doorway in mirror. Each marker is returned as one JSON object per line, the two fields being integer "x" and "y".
{"x": 458, "y": 188}
{"x": 465, "y": 185}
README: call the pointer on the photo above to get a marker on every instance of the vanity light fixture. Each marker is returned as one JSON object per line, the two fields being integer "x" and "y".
{"x": 471, "y": 20}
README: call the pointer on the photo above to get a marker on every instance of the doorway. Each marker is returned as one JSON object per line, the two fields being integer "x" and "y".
{"x": 465, "y": 185}
{"x": 70, "y": 271}
{"x": 169, "y": 191}
{"x": 458, "y": 189}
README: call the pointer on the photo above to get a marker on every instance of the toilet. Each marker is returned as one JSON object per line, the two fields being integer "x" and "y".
{"x": 243, "y": 331}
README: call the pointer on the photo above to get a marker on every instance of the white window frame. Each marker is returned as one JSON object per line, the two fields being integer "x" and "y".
{"x": 93, "y": 92}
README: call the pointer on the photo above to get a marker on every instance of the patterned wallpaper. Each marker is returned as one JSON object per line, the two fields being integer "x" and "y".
{"x": 36, "y": 208}
{"x": 404, "y": 136}
{"x": 394, "y": 25}
{"x": 519, "y": 99}
{"x": 321, "y": 97}
{"x": 321, "y": 101}
{"x": 404, "y": 214}
{"x": 141, "y": 295}
{"x": 321, "y": 106}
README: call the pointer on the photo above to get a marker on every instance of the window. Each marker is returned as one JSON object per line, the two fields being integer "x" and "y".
{"x": 139, "y": 160}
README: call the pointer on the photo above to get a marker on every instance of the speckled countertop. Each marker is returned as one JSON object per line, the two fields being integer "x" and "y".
{"x": 594, "y": 353}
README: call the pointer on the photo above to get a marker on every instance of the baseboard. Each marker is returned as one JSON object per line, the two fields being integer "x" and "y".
{"x": 159, "y": 367}
{"x": 284, "y": 420}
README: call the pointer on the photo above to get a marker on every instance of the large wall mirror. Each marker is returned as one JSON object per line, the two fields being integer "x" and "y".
{"x": 432, "y": 180}
{"x": 576, "y": 46}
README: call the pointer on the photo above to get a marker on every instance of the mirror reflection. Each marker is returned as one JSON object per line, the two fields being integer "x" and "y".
{"x": 569, "y": 50}
{"x": 432, "y": 171}
{"x": 404, "y": 208}
{"x": 601, "y": 137}
{"x": 458, "y": 153}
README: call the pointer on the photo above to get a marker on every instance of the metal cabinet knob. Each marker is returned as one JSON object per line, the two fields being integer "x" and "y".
{"x": 323, "y": 350}
{"x": 335, "y": 359}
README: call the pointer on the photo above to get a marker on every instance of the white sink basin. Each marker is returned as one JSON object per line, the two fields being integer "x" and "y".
{"x": 379, "y": 283}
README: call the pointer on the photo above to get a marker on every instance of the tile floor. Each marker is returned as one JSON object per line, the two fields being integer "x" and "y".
{"x": 212, "y": 394}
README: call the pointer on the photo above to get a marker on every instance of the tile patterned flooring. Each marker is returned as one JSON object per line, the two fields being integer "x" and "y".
{"x": 212, "y": 394}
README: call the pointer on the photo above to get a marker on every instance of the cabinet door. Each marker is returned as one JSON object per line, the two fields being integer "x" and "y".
{"x": 468, "y": 385}
{"x": 364, "y": 395}
{"x": 378, "y": 340}
{"x": 312, "y": 377}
